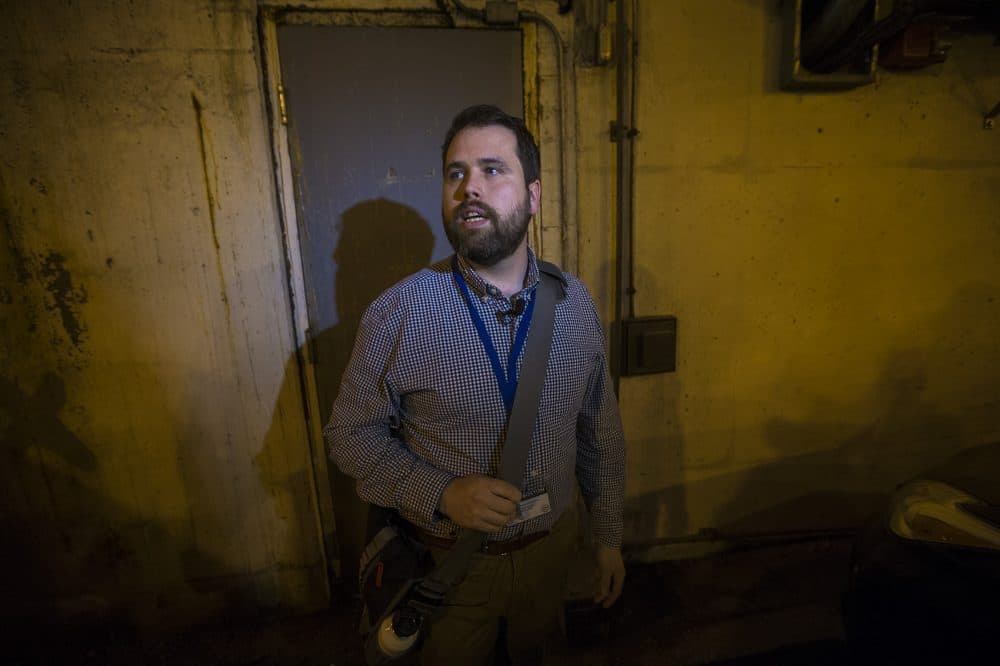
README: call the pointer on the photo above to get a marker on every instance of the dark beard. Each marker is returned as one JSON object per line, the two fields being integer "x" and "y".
{"x": 493, "y": 243}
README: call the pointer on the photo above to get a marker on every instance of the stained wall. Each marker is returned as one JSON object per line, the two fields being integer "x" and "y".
{"x": 832, "y": 259}
{"x": 156, "y": 463}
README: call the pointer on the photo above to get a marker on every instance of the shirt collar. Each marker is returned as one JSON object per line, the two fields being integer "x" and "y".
{"x": 483, "y": 288}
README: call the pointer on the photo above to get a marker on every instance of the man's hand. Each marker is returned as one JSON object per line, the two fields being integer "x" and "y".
{"x": 612, "y": 570}
{"x": 480, "y": 503}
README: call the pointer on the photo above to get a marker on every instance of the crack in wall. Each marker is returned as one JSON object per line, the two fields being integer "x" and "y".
{"x": 203, "y": 146}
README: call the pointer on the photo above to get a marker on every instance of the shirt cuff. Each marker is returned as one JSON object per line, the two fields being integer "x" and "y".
{"x": 421, "y": 493}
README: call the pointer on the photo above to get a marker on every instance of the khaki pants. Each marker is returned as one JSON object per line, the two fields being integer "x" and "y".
{"x": 525, "y": 587}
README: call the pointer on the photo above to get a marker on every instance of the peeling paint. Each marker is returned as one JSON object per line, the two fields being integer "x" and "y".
{"x": 59, "y": 283}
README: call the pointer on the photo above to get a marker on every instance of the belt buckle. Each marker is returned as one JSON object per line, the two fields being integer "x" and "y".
{"x": 505, "y": 547}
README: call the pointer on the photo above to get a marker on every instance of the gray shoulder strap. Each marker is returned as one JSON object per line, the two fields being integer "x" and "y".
{"x": 521, "y": 424}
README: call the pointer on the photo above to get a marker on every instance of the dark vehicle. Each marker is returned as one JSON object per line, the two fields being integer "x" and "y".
{"x": 925, "y": 576}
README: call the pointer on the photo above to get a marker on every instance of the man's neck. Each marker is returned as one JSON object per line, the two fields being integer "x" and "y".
{"x": 507, "y": 275}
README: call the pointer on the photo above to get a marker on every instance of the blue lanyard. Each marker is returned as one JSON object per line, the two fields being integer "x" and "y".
{"x": 507, "y": 382}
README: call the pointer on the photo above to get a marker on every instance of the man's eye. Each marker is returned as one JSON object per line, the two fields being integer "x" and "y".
{"x": 455, "y": 175}
{"x": 492, "y": 170}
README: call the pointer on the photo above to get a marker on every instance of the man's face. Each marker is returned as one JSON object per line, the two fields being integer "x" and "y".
{"x": 485, "y": 204}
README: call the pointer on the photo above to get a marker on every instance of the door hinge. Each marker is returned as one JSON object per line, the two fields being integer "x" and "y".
{"x": 281, "y": 105}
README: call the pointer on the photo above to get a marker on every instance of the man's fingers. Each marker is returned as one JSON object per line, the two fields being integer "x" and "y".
{"x": 493, "y": 513}
{"x": 492, "y": 518}
{"x": 611, "y": 597}
{"x": 499, "y": 504}
{"x": 501, "y": 488}
{"x": 480, "y": 502}
{"x": 609, "y": 590}
{"x": 603, "y": 587}
{"x": 612, "y": 575}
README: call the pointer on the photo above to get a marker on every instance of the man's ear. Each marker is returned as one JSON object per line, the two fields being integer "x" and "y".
{"x": 535, "y": 195}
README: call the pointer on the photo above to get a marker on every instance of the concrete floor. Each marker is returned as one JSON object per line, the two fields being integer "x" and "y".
{"x": 776, "y": 604}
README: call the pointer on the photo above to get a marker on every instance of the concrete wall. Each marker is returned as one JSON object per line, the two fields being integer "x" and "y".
{"x": 831, "y": 258}
{"x": 155, "y": 452}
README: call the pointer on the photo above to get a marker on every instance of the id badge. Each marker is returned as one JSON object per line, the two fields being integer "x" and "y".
{"x": 531, "y": 507}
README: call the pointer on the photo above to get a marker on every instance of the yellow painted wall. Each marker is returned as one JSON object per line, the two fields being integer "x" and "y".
{"x": 832, "y": 259}
{"x": 155, "y": 452}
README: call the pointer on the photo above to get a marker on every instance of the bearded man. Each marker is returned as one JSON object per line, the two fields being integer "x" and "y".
{"x": 422, "y": 412}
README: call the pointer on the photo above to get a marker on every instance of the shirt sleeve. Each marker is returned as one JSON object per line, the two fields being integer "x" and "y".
{"x": 362, "y": 433}
{"x": 600, "y": 462}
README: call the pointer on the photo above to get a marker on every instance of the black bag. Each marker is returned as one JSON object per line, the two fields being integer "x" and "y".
{"x": 391, "y": 564}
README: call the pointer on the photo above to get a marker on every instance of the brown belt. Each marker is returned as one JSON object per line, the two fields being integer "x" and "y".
{"x": 488, "y": 547}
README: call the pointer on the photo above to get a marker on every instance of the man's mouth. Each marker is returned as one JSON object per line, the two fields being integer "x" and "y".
{"x": 473, "y": 216}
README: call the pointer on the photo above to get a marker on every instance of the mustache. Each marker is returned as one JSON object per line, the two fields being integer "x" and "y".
{"x": 485, "y": 209}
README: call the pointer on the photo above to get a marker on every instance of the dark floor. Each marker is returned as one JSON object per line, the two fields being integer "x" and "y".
{"x": 778, "y": 604}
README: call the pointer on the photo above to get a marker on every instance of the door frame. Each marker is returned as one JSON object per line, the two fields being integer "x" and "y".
{"x": 549, "y": 86}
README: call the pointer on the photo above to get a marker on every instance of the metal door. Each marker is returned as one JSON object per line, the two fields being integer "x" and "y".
{"x": 367, "y": 110}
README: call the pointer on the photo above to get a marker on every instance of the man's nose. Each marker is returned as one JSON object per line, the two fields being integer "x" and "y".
{"x": 472, "y": 186}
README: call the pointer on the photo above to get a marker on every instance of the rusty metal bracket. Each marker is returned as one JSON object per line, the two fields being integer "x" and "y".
{"x": 617, "y": 131}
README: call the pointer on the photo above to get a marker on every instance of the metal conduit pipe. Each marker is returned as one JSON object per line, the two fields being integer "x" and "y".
{"x": 567, "y": 153}
{"x": 624, "y": 133}
{"x": 478, "y": 14}
{"x": 566, "y": 83}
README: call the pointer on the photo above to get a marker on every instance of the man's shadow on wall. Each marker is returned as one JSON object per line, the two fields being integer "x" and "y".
{"x": 380, "y": 243}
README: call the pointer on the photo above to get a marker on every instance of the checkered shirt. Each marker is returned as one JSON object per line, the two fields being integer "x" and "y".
{"x": 419, "y": 404}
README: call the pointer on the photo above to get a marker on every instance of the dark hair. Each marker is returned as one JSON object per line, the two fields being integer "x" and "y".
{"x": 486, "y": 115}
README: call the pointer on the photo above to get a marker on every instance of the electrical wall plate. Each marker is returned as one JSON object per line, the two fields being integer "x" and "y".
{"x": 796, "y": 76}
{"x": 649, "y": 345}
